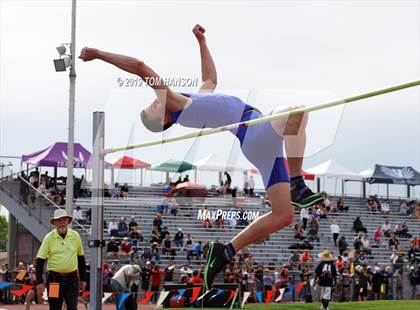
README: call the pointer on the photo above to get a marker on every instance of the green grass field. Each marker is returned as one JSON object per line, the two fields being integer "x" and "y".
{"x": 370, "y": 305}
{"x": 377, "y": 305}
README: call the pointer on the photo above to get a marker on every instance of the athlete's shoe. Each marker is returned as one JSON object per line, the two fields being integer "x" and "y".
{"x": 303, "y": 197}
{"x": 216, "y": 260}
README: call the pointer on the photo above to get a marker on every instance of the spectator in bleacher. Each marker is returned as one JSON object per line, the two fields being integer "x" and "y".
{"x": 251, "y": 186}
{"x": 78, "y": 215}
{"x": 342, "y": 244}
{"x": 401, "y": 230}
{"x": 188, "y": 246}
{"x": 154, "y": 236}
{"x": 245, "y": 255}
{"x": 312, "y": 234}
{"x": 112, "y": 248}
{"x": 389, "y": 275}
{"x": 113, "y": 228}
{"x": 393, "y": 258}
{"x": 220, "y": 223}
{"x": 167, "y": 247}
{"x": 24, "y": 187}
{"x": 304, "y": 216}
{"x": 132, "y": 224}
{"x": 341, "y": 206}
{"x": 243, "y": 221}
{"x": 378, "y": 237}
{"x": 122, "y": 227}
{"x": 157, "y": 221}
{"x": 339, "y": 264}
{"x": 115, "y": 191}
{"x": 185, "y": 269}
{"x": 393, "y": 242}
{"x": 372, "y": 204}
{"x": 124, "y": 190}
{"x": 403, "y": 208}
{"x": 386, "y": 229}
{"x": 366, "y": 245}
{"x": 174, "y": 208}
{"x": 125, "y": 248}
{"x": 306, "y": 260}
{"x": 346, "y": 280}
{"x": 146, "y": 273}
{"x": 358, "y": 226}
{"x": 327, "y": 202}
{"x": 357, "y": 244}
{"x": 413, "y": 252}
{"x": 135, "y": 236}
{"x": 294, "y": 261}
{"x": 154, "y": 251}
{"x": 335, "y": 231}
{"x": 179, "y": 238}
{"x": 385, "y": 208}
{"x": 163, "y": 206}
{"x": 198, "y": 250}
{"x": 196, "y": 279}
{"x": 299, "y": 232}
{"x": 163, "y": 234}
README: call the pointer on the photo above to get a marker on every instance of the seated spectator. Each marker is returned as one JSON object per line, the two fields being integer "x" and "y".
{"x": 163, "y": 234}
{"x": 112, "y": 248}
{"x": 372, "y": 204}
{"x": 157, "y": 221}
{"x": 154, "y": 236}
{"x": 366, "y": 245}
{"x": 198, "y": 250}
{"x": 339, "y": 264}
{"x": 186, "y": 179}
{"x": 43, "y": 188}
{"x": 386, "y": 229}
{"x": 122, "y": 227}
{"x": 132, "y": 224}
{"x": 125, "y": 248}
{"x": 185, "y": 269}
{"x": 163, "y": 207}
{"x": 179, "y": 238}
{"x": 167, "y": 246}
{"x": 299, "y": 232}
{"x": 220, "y": 223}
{"x": 124, "y": 190}
{"x": 113, "y": 228}
{"x": 245, "y": 255}
{"x": 188, "y": 246}
{"x": 358, "y": 226}
{"x": 393, "y": 242}
{"x": 78, "y": 215}
{"x": 174, "y": 208}
{"x": 401, "y": 230}
{"x": 154, "y": 250}
{"x": 403, "y": 208}
{"x": 327, "y": 202}
{"x": 115, "y": 191}
{"x": 135, "y": 236}
{"x": 378, "y": 237}
{"x": 340, "y": 205}
{"x": 385, "y": 208}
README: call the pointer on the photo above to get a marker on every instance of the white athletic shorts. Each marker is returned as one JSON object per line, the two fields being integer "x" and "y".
{"x": 325, "y": 292}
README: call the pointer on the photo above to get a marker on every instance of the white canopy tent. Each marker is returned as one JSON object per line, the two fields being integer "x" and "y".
{"x": 216, "y": 163}
{"x": 332, "y": 169}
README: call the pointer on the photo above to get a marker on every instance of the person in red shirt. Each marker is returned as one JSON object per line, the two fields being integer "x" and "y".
{"x": 196, "y": 279}
{"x": 125, "y": 248}
{"x": 156, "y": 280}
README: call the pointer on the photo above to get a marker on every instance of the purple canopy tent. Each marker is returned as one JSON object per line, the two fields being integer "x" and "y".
{"x": 56, "y": 156}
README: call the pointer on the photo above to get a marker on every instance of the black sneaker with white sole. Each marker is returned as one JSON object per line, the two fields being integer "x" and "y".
{"x": 303, "y": 197}
{"x": 216, "y": 261}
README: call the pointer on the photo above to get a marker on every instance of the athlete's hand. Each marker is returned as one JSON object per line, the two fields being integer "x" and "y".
{"x": 199, "y": 32}
{"x": 88, "y": 54}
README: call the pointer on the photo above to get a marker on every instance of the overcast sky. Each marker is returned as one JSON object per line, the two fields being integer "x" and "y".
{"x": 303, "y": 52}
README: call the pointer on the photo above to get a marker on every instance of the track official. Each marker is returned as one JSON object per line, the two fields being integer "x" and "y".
{"x": 66, "y": 268}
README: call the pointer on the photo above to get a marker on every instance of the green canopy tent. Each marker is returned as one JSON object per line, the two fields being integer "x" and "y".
{"x": 172, "y": 165}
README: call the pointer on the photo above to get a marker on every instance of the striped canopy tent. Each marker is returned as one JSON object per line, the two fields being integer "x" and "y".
{"x": 127, "y": 162}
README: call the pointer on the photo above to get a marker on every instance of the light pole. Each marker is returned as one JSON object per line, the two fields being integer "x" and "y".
{"x": 61, "y": 64}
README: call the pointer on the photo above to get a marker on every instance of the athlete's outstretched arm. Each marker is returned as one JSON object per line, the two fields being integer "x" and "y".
{"x": 126, "y": 63}
{"x": 208, "y": 69}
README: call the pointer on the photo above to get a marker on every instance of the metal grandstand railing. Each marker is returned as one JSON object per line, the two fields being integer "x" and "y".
{"x": 36, "y": 203}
